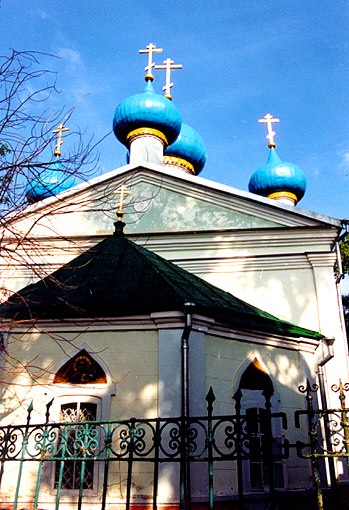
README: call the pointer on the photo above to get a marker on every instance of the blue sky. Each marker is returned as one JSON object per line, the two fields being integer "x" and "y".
{"x": 241, "y": 59}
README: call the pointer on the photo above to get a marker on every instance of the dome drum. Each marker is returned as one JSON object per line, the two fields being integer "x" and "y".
{"x": 187, "y": 167}
{"x": 146, "y": 147}
{"x": 149, "y": 132}
{"x": 188, "y": 152}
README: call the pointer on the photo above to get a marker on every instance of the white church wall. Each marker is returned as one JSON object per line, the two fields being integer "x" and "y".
{"x": 225, "y": 360}
{"x": 130, "y": 358}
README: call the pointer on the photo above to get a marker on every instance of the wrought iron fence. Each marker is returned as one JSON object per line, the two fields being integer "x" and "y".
{"x": 84, "y": 457}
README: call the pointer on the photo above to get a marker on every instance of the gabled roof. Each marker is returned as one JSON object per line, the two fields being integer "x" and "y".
{"x": 117, "y": 277}
{"x": 152, "y": 182}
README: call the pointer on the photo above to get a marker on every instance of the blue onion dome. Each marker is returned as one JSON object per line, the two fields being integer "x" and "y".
{"x": 49, "y": 182}
{"x": 147, "y": 113}
{"x": 279, "y": 180}
{"x": 187, "y": 152}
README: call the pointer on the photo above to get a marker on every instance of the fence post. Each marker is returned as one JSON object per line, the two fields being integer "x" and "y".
{"x": 342, "y": 388}
{"x": 237, "y": 397}
{"x": 157, "y": 440}
{"x": 210, "y": 397}
{"x": 267, "y": 452}
{"x": 4, "y": 440}
{"x": 24, "y": 448}
{"x": 312, "y": 432}
{"x": 43, "y": 447}
{"x": 131, "y": 449}
{"x": 107, "y": 446}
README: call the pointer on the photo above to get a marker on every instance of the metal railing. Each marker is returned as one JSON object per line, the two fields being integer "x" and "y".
{"x": 63, "y": 456}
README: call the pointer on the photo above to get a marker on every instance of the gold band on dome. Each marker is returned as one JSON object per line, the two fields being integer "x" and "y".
{"x": 184, "y": 164}
{"x": 146, "y": 132}
{"x": 283, "y": 194}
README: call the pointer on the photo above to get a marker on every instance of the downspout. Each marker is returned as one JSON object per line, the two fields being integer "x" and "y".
{"x": 340, "y": 274}
{"x": 185, "y": 365}
{"x": 185, "y": 466}
{"x": 188, "y": 307}
{"x": 341, "y": 236}
{"x": 321, "y": 377}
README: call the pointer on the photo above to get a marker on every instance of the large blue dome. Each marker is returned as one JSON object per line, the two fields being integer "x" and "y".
{"x": 276, "y": 177}
{"x": 188, "y": 147}
{"x": 50, "y": 182}
{"x": 147, "y": 110}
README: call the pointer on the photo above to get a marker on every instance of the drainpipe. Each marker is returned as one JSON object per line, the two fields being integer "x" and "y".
{"x": 340, "y": 274}
{"x": 335, "y": 247}
{"x": 185, "y": 466}
{"x": 330, "y": 354}
{"x": 188, "y": 308}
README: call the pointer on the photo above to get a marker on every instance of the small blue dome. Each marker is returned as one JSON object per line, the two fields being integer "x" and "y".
{"x": 147, "y": 110}
{"x": 190, "y": 147}
{"x": 278, "y": 176}
{"x": 50, "y": 182}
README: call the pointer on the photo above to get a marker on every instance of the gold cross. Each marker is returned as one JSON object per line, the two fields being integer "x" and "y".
{"x": 122, "y": 191}
{"x": 59, "y": 130}
{"x": 269, "y": 120}
{"x": 168, "y": 65}
{"x": 150, "y": 49}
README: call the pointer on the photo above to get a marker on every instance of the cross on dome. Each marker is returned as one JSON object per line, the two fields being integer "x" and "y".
{"x": 59, "y": 130}
{"x": 122, "y": 191}
{"x": 269, "y": 120}
{"x": 168, "y": 65}
{"x": 150, "y": 49}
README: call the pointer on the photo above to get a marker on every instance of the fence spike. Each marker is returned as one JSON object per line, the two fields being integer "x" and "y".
{"x": 210, "y": 397}
{"x": 48, "y": 406}
{"x": 29, "y": 411}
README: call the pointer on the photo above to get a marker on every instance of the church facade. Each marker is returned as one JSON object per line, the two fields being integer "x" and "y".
{"x": 204, "y": 286}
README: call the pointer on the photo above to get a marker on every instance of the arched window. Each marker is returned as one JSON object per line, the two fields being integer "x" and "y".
{"x": 256, "y": 390}
{"x": 81, "y": 402}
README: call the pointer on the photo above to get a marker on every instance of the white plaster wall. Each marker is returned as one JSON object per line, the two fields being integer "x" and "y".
{"x": 131, "y": 358}
{"x": 226, "y": 360}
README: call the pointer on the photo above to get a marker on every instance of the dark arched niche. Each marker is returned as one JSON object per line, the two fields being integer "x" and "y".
{"x": 255, "y": 378}
{"x": 81, "y": 369}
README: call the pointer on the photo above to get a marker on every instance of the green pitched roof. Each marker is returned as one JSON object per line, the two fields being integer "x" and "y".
{"x": 117, "y": 277}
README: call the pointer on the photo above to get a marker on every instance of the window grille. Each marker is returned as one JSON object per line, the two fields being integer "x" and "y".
{"x": 76, "y": 412}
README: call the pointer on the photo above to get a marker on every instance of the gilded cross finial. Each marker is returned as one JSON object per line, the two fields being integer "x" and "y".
{"x": 122, "y": 191}
{"x": 150, "y": 49}
{"x": 168, "y": 65}
{"x": 269, "y": 120}
{"x": 59, "y": 130}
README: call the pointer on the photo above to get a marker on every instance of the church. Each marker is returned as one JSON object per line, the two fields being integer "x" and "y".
{"x": 154, "y": 293}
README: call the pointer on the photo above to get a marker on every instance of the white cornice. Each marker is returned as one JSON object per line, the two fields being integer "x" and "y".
{"x": 321, "y": 259}
{"x": 296, "y": 239}
{"x": 268, "y": 263}
{"x": 242, "y": 250}
{"x": 160, "y": 321}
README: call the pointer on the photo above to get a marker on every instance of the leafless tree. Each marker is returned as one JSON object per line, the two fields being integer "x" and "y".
{"x": 26, "y": 129}
{"x": 28, "y": 118}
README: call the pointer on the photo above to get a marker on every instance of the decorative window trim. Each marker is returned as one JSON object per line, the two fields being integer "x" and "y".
{"x": 78, "y": 393}
{"x": 254, "y": 399}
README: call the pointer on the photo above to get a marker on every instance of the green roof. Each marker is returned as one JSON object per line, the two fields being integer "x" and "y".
{"x": 117, "y": 278}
